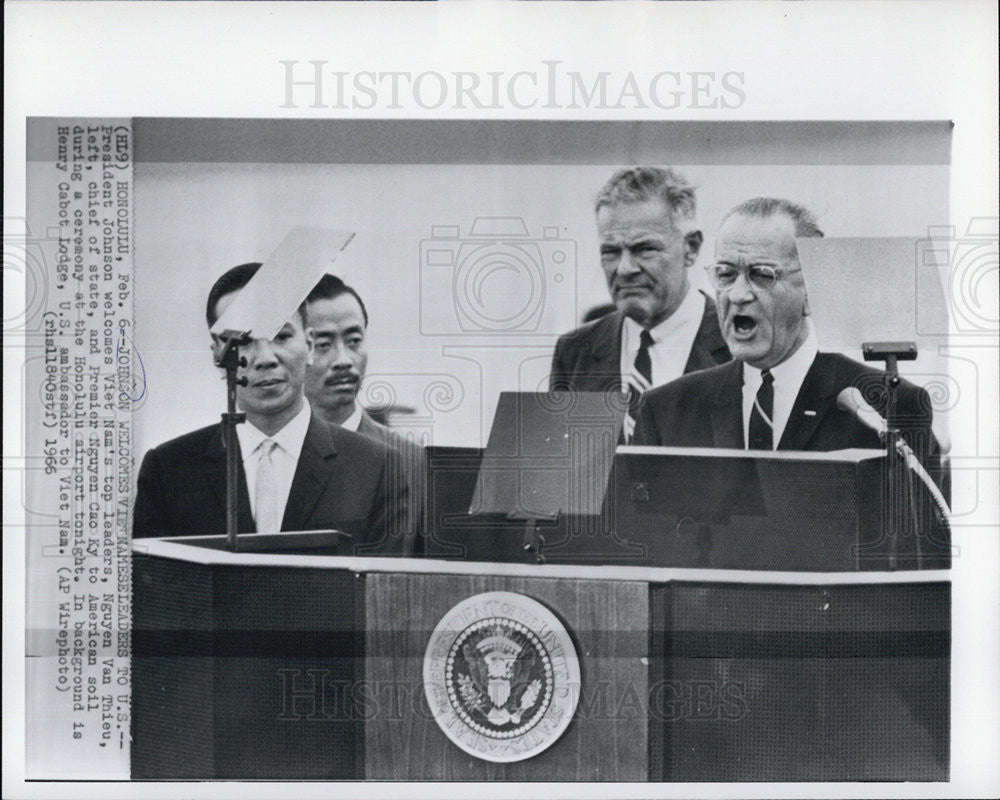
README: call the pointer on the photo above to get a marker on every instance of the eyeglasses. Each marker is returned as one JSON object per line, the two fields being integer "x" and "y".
{"x": 759, "y": 276}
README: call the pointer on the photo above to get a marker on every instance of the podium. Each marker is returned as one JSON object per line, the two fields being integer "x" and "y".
{"x": 581, "y": 614}
{"x": 694, "y": 507}
{"x": 294, "y": 660}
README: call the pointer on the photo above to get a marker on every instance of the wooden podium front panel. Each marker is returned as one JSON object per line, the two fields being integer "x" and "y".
{"x": 260, "y": 670}
{"x": 173, "y": 702}
{"x": 607, "y": 739}
{"x": 244, "y": 672}
{"x": 803, "y": 683}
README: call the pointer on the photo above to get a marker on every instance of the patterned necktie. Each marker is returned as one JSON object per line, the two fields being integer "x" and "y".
{"x": 266, "y": 492}
{"x": 640, "y": 380}
{"x": 761, "y": 434}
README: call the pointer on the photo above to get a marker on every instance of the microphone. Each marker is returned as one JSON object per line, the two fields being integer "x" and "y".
{"x": 853, "y": 402}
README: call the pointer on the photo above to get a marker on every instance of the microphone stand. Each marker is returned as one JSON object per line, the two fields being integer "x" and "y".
{"x": 534, "y": 542}
{"x": 230, "y": 360}
{"x": 891, "y": 353}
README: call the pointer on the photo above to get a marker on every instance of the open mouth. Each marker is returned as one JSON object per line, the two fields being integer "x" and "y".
{"x": 743, "y": 325}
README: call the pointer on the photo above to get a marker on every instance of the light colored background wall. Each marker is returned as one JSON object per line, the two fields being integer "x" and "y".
{"x": 197, "y": 219}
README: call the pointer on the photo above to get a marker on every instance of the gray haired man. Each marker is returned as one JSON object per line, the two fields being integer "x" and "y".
{"x": 661, "y": 327}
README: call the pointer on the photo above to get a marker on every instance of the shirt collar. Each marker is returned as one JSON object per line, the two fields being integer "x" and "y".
{"x": 692, "y": 307}
{"x": 290, "y": 438}
{"x": 792, "y": 371}
{"x": 353, "y": 422}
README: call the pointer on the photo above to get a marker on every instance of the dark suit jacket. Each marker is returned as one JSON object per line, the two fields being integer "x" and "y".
{"x": 705, "y": 409}
{"x": 341, "y": 482}
{"x": 588, "y": 359}
{"x": 413, "y": 462}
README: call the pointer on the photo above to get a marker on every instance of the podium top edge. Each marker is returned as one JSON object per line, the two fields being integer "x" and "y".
{"x": 849, "y": 456}
{"x": 185, "y": 550}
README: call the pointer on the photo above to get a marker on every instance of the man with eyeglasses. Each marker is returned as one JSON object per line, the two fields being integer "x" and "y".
{"x": 660, "y": 327}
{"x": 779, "y": 393}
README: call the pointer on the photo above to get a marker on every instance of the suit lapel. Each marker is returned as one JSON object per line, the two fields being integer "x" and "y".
{"x": 727, "y": 408}
{"x": 709, "y": 348}
{"x": 214, "y": 463}
{"x": 815, "y": 400}
{"x": 605, "y": 354}
{"x": 370, "y": 427}
{"x": 366, "y": 425}
{"x": 312, "y": 474}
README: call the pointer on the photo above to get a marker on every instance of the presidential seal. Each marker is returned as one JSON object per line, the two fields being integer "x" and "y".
{"x": 501, "y": 676}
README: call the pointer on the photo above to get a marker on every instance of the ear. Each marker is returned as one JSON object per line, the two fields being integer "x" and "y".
{"x": 692, "y": 246}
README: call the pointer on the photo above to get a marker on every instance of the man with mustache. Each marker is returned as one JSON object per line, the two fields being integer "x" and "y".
{"x": 297, "y": 472}
{"x": 338, "y": 320}
{"x": 780, "y": 392}
{"x": 661, "y": 328}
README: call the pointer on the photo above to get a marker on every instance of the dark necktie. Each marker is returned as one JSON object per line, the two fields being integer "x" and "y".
{"x": 640, "y": 380}
{"x": 761, "y": 434}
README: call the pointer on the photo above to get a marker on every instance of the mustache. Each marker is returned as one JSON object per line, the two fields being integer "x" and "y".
{"x": 343, "y": 378}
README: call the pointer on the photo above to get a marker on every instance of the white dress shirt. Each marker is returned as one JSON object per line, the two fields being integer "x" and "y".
{"x": 672, "y": 341}
{"x": 353, "y": 422}
{"x": 788, "y": 378}
{"x": 285, "y": 456}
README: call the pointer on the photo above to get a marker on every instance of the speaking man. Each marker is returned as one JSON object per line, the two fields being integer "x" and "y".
{"x": 661, "y": 328}
{"x": 779, "y": 393}
{"x": 338, "y": 321}
{"x": 297, "y": 472}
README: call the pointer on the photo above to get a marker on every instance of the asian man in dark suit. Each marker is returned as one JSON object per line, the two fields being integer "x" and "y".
{"x": 661, "y": 327}
{"x": 779, "y": 393}
{"x": 297, "y": 472}
{"x": 338, "y": 320}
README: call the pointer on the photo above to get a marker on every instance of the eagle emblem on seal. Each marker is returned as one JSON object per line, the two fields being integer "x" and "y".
{"x": 500, "y": 677}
